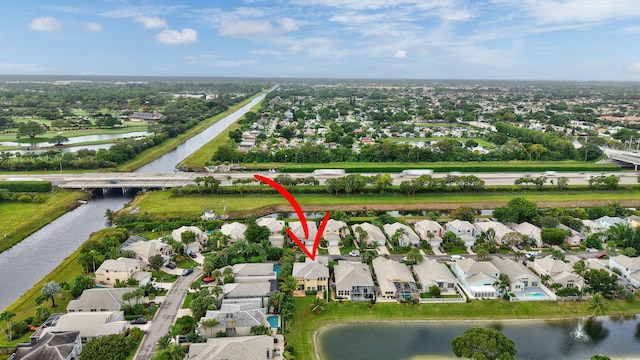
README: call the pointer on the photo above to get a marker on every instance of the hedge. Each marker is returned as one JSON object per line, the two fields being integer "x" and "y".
{"x": 26, "y": 186}
{"x": 462, "y": 167}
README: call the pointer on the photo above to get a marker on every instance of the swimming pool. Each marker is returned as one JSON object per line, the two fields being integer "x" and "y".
{"x": 535, "y": 294}
{"x": 273, "y": 321}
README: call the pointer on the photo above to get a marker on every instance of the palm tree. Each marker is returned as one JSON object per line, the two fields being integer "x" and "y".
{"x": 502, "y": 283}
{"x": 545, "y": 279}
{"x": 275, "y": 302}
{"x": 216, "y": 291}
{"x": 216, "y": 275}
{"x": 208, "y": 324}
{"x": 597, "y": 306}
{"x": 164, "y": 342}
{"x": 317, "y": 305}
{"x": 228, "y": 271}
{"x": 7, "y": 316}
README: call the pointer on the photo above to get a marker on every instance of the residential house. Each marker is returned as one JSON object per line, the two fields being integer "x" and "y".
{"x": 143, "y": 250}
{"x": 257, "y": 290}
{"x": 201, "y": 236}
{"x": 408, "y": 237}
{"x": 297, "y": 228}
{"x": 64, "y": 345}
{"x": 145, "y": 116}
{"x": 394, "y": 279}
{"x": 592, "y": 227}
{"x": 276, "y": 237}
{"x": 311, "y": 275}
{"x": 372, "y": 234}
{"x": 335, "y": 231}
{"x": 235, "y": 231}
{"x": 99, "y": 299}
{"x": 433, "y": 273}
{"x": 91, "y": 325}
{"x": 574, "y": 238}
{"x": 529, "y": 230}
{"x": 521, "y": 278}
{"x": 117, "y": 270}
{"x": 633, "y": 220}
{"x": 254, "y": 272}
{"x": 487, "y": 227}
{"x": 461, "y": 227}
{"x": 430, "y": 231}
{"x": 608, "y": 221}
{"x": 234, "y": 319}
{"x": 629, "y": 267}
{"x": 558, "y": 271}
{"x": 353, "y": 281}
{"x": 477, "y": 278}
{"x": 259, "y": 347}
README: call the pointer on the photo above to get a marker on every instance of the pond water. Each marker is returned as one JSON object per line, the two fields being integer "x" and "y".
{"x": 618, "y": 337}
{"x": 80, "y": 139}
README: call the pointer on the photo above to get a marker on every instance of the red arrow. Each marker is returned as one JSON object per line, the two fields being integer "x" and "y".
{"x": 287, "y": 195}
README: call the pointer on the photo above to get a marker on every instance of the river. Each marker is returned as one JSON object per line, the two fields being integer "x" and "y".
{"x": 33, "y": 258}
{"x": 618, "y": 337}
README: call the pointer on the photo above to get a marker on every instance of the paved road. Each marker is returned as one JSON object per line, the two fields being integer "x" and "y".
{"x": 165, "y": 316}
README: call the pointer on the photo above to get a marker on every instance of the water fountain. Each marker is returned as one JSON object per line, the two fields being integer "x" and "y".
{"x": 578, "y": 333}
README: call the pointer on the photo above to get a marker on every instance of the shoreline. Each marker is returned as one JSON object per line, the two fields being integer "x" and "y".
{"x": 316, "y": 333}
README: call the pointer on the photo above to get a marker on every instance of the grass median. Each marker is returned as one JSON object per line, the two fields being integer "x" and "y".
{"x": 306, "y": 323}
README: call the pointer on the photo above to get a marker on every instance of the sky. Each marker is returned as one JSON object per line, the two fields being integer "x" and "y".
{"x": 404, "y": 39}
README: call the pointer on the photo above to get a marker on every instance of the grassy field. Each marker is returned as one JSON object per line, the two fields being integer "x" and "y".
{"x": 155, "y": 203}
{"x": 201, "y": 156}
{"x": 481, "y": 142}
{"x": 20, "y": 220}
{"x": 306, "y": 323}
{"x": 149, "y": 155}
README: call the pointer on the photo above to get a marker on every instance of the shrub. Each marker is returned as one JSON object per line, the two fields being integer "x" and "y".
{"x": 311, "y": 292}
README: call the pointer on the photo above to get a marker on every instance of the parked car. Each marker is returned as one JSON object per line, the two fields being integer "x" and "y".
{"x": 171, "y": 266}
{"x": 139, "y": 321}
{"x": 442, "y": 250}
{"x": 193, "y": 256}
{"x": 519, "y": 247}
{"x": 354, "y": 253}
{"x": 182, "y": 339}
{"x": 601, "y": 255}
{"x": 187, "y": 271}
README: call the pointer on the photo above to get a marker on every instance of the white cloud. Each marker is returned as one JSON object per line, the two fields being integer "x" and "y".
{"x": 175, "y": 37}
{"x": 634, "y": 67}
{"x": 287, "y": 24}
{"x": 151, "y": 22}
{"x": 46, "y": 23}
{"x": 95, "y": 27}
{"x": 253, "y": 29}
{"x": 572, "y": 11}
{"x": 400, "y": 54}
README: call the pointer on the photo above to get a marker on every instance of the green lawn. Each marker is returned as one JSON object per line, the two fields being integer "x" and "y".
{"x": 155, "y": 203}
{"x": 301, "y": 331}
{"x": 20, "y": 219}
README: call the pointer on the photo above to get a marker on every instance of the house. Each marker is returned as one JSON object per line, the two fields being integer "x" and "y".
{"x": 430, "y": 231}
{"x": 145, "y": 116}
{"x": 201, "y": 236}
{"x": 257, "y": 290}
{"x": 372, "y": 234}
{"x": 408, "y": 237}
{"x": 259, "y": 347}
{"x": 235, "y": 231}
{"x": 477, "y": 278}
{"x": 558, "y": 272}
{"x": 254, "y": 272}
{"x": 311, "y": 275}
{"x": 353, "y": 281}
{"x": 297, "y": 228}
{"x": 234, "y": 319}
{"x": 394, "y": 279}
{"x": 629, "y": 267}
{"x": 633, "y": 220}
{"x": 99, "y": 299}
{"x": 521, "y": 278}
{"x": 335, "y": 231}
{"x": 120, "y": 270}
{"x": 608, "y": 221}
{"x": 143, "y": 250}
{"x": 461, "y": 227}
{"x": 276, "y": 238}
{"x": 431, "y": 272}
{"x": 592, "y": 227}
{"x": 91, "y": 325}
{"x": 499, "y": 230}
{"x": 65, "y": 345}
{"x": 574, "y": 238}
{"x": 529, "y": 230}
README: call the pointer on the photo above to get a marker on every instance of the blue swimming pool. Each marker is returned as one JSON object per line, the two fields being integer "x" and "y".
{"x": 277, "y": 269}
{"x": 274, "y": 321}
{"x": 536, "y": 294}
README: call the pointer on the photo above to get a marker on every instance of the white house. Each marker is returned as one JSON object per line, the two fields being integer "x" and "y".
{"x": 461, "y": 227}
{"x": 234, "y": 319}
{"x": 335, "y": 231}
{"x": 120, "y": 270}
{"x": 353, "y": 281}
{"x": 394, "y": 279}
{"x": 143, "y": 250}
{"x": 520, "y": 277}
{"x": 529, "y": 230}
{"x": 373, "y": 233}
{"x": 91, "y": 325}
{"x": 430, "y": 231}
{"x": 297, "y": 228}
{"x": 235, "y": 231}
{"x": 431, "y": 272}
{"x": 259, "y": 347}
{"x": 276, "y": 238}
{"x": 558, "y": 271}
{"x": 201, "y": 236}
{"x": 499, "y": 229}
{"x": 408, "y": 235}
{"x": 99, "y": 299}
{"x": 477, "y": 278}
{"x": 629, "y": 267}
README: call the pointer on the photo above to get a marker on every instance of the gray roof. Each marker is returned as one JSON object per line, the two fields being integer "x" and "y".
{"x": 253, "y": 269}
{"x": 51, "y": 346}
{"x": 233, "y": 348}
{"x": 109, "y": 299}
{"x": 91, "y": 324}
{"x": 310, "y": 270}
{"x": 430, "y": 272}
{"x": 373, "y": 233}
{"x": 349, "y": 274}
{"x": 247, "y": 290}
{"x": 513, "y": 269}
{"x": 243, "y": 314}
{"x": 389, "y": 271}
{"x": 471, "y": 267}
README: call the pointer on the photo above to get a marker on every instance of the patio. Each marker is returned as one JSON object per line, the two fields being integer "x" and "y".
{"x": 533, "y": 293}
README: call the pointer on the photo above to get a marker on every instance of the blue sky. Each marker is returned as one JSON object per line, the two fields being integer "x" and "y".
{"x": 407, "y": 39}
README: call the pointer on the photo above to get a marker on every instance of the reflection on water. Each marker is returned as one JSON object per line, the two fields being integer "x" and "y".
{"x": 79, "y": 139}
{"x": 535, "y": 339}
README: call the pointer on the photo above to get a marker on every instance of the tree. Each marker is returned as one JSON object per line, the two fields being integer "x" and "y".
{"x": 503, "y": 283}
{"x": 275, "y": 302}
{"x": 382, "y": 182}
{"x": 156, "y": 261}
{"x": 517, "y": 210}
{"x": 597, "y": 306}
{"x": 600, "y": 357}
{"x": 188, "y": 237}
{"x": 485, "y": 344}
{"x": 414, "y": 256}
{"x": 256, "y": 233}
{"x": 465, "y": 213}
{"x": 434, "y": 291}
{"x": 7, "y": 316}
{"x": 30, "y": 129}
{"x": 50, "y": 290}
{"x": 110, "y": 347}
{"x": 58, "y": 140}
{"x": 553, "y": 236}
{"x": 81, "y": 283}
{"x": 201, "y": 304}
{"x": 317, "y": 305}
{"x": 600, "y": 282}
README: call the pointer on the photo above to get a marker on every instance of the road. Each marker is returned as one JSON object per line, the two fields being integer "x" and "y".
{"x": 164, "y": 318}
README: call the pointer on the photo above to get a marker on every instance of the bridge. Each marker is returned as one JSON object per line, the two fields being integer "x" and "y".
{"x": 625, "y": 157}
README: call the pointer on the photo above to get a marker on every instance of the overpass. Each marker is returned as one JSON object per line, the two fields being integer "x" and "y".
{"x": 626, "y": 157}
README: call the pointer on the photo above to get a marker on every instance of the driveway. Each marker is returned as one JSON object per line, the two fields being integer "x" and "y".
{"x": 334, "y": 250}
{"x": 166, "y": 315}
